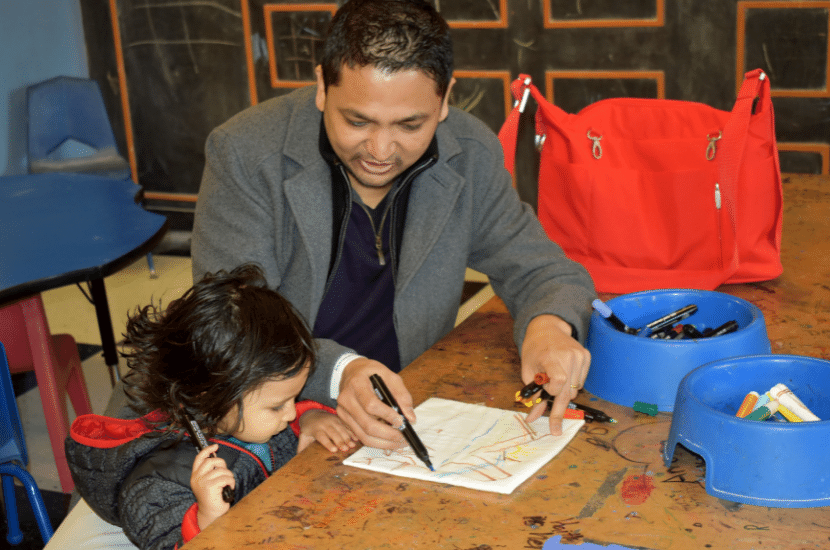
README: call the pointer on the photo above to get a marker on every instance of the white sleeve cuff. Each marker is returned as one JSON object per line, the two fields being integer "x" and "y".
{"x": 337, "y": 372}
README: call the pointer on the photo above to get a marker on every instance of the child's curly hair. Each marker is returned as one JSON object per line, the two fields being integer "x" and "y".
{"x": 224, "y": 337}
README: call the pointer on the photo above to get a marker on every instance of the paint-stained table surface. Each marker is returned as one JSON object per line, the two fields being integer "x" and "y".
{"x": 608, "y": 486}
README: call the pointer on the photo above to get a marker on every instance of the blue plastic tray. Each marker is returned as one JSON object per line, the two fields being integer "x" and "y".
{"x": 627, "y": 368}
{"x": 766, "y": 463}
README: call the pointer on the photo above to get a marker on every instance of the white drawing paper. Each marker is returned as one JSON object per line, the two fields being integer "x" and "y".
{"x": 472, "y": 446}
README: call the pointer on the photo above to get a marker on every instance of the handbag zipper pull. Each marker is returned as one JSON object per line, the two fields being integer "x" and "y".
{"x": 717, "y": 196}
{"x": 525, "y": 95}
{"x": 596, "y": 149}
{"x": 712, "y": 148}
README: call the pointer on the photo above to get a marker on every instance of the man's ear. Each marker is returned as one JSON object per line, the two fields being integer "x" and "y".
{"x": 320, "y": 98}
{"x": 445, "y": 105}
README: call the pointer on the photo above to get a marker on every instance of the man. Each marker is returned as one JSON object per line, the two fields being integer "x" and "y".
{"x": 365, "y": 197}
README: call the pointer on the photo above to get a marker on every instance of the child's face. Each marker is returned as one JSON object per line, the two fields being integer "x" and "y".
{"x": 267, "y": 410}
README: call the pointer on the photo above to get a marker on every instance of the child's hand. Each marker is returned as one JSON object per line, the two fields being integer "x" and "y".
{"x": 327, "y": 428}
{"x": 210, "y": 474}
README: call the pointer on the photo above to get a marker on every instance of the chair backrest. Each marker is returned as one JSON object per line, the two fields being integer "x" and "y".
{"x": 12, "y": 444}
{"x": 63, "y": 108}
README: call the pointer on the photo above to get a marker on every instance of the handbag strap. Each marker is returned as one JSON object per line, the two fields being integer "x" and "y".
{"x": 522, "y": 88}
{"x": 731, "y": 154}
{"x": 509, "y": 132}
{"x": 755, "y": 85}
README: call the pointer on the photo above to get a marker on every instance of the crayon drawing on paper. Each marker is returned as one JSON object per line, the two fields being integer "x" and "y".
{"x": 472, "y": 446}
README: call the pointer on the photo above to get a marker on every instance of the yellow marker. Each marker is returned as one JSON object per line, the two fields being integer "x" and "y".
{"x": 788, "y": 414}
{"x": 785, "y": 396}
{"x": 748, "y": 404}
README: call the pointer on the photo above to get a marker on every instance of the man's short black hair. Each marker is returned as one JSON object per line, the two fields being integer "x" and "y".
{"x": 392, "y": 35}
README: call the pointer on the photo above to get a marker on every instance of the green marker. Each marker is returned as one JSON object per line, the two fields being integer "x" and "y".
{"x": 763, "y": 412}
{"x": 647, "y": 408}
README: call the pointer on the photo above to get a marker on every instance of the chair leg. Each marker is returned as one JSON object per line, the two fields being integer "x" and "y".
{"x": 15, "y": 535}
{"x": 151, "y": 265}
{"x": 51, "y": 393}
{"x": 44, "y": 524}
{"x": 66, "y": 351}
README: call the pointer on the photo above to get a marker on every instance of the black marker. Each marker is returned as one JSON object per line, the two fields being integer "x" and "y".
{"x": 412, "y": 438}
{"x": 726, "y": 328}
{"x": 655, "y": 327}
{"x": 690, "y": 331}
{"x": 200, "y": 442}
{"x": 591, "y": 413}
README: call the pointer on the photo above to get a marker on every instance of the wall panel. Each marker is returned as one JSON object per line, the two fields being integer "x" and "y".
{"x": 188, "y": 65}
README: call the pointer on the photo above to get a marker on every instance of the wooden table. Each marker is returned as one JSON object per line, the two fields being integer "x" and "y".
{"x": 608, "y": 486}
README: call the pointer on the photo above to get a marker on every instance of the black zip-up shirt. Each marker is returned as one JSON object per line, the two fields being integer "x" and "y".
{"x": 358, "y": 304}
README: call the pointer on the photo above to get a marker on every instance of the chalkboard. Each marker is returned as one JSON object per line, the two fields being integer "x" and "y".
{"x": 186, "y": 73}
{"x": 794, "y": 60}
{"x": 479, "y": 11}
{"x": 189, "y": 66}
{"x": 483, "y": 95}
{"x": 602, "y": 9}
{"x": 573, "y": 94}
{"x": 297, "y": 39}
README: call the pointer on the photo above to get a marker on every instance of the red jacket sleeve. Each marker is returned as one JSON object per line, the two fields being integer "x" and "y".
{"x": 190, "y": 523}
{"x": 305, "y": 406}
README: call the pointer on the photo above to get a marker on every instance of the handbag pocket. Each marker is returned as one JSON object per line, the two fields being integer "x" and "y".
{"x": 665, "y": 220}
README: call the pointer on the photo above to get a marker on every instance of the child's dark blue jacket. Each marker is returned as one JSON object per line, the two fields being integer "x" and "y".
{"x": 142, "y": 483}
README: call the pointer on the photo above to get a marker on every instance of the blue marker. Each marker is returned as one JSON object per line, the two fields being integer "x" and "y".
{"x": 606, "y": 313}
{"x": 762, "y": 400}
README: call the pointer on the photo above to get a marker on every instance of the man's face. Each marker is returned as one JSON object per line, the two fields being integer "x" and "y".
{"x": 379, "y": 123}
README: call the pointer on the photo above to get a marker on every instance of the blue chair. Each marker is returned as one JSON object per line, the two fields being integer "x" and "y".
{"x": 70, "y": 131}
{"x": 13, "y": 459}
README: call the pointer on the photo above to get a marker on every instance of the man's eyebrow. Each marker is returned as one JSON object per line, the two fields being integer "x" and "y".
{"x": 417, "y": 117}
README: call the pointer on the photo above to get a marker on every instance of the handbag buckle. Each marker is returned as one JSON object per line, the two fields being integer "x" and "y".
{"x": 596, "y": 148}
{"x": 712, "y": 148}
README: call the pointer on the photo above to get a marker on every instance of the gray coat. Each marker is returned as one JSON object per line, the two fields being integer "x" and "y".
{"x": 266, "y": 197}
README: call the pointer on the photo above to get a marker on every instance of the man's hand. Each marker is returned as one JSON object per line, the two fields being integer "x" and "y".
{"x": 358, "y": 406}
{"x": 549, "y": 348}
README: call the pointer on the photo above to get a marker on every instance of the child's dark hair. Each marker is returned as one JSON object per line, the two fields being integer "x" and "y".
{"x": 392, "y": 35}
{"x": 201, "y": 355}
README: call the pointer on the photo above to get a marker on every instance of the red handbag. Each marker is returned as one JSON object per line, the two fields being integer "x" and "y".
{"x": 652, "y": 193}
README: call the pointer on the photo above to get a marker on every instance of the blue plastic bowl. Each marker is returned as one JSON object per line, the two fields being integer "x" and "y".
{"x": 766, "y": 463}
{"x": 627, "y": 368}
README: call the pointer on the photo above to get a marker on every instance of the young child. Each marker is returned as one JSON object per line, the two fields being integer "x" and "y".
{"x": 230, "y": 354}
